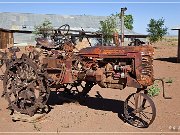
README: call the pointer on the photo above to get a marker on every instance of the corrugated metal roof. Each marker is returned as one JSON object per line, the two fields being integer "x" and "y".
{"x": 27, "y": 21}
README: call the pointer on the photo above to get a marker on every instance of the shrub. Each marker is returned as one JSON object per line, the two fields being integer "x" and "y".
{"x": 169, "y": 80}
{"x": 156, "y": 30}
{"x": 44, "y": 29}
{"x": 154, "y": 90}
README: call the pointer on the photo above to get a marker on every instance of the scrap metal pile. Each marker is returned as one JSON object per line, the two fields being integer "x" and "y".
{"x": 53, "y": 63}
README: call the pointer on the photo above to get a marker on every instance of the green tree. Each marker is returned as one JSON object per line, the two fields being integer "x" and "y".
{"x": 156, "y": 30}
{"x": 128, "y": 21}
{"x": 109, "y": 26}
{"x": 44, "y": 29}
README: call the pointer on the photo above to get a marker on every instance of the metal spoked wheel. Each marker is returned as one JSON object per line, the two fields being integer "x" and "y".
{"x": 25, "y": 88}
{"x": 139, "y": 110}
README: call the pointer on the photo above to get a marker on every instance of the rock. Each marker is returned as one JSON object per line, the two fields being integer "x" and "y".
{"x": 26, "y": 118}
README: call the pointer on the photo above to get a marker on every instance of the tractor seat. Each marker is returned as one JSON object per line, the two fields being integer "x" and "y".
{"x": 46, "y": 43}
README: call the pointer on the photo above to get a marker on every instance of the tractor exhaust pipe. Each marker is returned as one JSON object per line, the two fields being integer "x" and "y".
{"x": 122, "y": 25}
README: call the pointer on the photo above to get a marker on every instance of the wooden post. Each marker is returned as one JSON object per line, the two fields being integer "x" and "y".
{"x": 178, "y": 57}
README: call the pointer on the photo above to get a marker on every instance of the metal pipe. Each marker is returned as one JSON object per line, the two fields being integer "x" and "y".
{"x": 122, "y": 25}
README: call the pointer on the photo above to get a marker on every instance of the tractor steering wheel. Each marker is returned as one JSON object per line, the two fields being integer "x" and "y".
{"x": 60, "y": 35}
{"x": 64, "y": 29}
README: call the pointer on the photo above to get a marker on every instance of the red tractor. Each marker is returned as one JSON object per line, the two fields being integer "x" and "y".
{"x": 53, "y": 63}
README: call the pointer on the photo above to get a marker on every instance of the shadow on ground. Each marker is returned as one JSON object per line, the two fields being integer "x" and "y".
{"x": 170, "y": 59}
{"x": 97, "y": 103}
{"x": 116, "y": 106}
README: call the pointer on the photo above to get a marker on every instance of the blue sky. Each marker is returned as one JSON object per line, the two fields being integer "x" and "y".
{"x": 142, "y": 12}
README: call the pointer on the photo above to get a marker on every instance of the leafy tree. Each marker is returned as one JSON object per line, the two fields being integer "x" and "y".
{"x": 109, "y": 26}
{"x": 156, "y": 30}
{"x": 128, "y": 21}
{"x": 44, "y": 29}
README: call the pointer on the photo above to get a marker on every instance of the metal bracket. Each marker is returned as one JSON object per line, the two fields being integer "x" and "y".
{"x": 158, "y": 79}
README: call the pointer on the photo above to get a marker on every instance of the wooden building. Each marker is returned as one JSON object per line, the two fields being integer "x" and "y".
{"x": 6, "y": 38}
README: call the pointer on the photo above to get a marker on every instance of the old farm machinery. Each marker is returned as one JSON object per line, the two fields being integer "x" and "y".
{"x": 53, "y": 63}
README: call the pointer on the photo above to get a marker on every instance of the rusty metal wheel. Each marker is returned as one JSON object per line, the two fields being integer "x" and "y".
{"x": 139, "y": 110}
{"x": 25, "y": 86}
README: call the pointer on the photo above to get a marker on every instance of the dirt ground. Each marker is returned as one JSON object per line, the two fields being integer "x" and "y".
{"x": 103, "y": 115}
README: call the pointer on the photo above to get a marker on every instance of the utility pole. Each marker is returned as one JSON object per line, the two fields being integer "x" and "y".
{"x": 122, "y": 25}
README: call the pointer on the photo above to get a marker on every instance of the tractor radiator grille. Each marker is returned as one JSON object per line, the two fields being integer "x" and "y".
{"x": 147, "y": 66}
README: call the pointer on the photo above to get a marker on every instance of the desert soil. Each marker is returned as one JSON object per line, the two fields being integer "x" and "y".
{"x": 103, "y": 115}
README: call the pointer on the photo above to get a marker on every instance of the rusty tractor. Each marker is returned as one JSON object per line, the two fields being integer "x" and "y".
{"x": 53, "y": 63}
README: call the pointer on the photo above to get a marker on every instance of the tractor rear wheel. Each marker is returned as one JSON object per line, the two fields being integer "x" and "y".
{"x": 25, "y": 86}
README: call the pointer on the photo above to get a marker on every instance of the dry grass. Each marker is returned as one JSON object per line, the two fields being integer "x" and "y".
{"x": 167, "y": 41}
{"x": 171, "y": 40}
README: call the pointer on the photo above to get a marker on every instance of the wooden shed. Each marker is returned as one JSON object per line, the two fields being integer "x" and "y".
{"x": 6, "y": 38}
